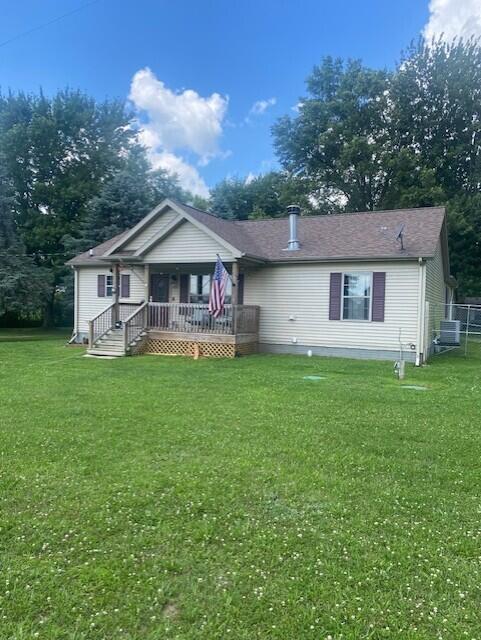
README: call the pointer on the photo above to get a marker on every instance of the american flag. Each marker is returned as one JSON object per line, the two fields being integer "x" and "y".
{"x": 217, "y": 289}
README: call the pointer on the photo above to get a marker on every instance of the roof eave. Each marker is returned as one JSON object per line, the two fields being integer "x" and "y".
{"x": 120, "y": 258}
{"x": 96, "y": 262}
{"x": 384, "y": 258}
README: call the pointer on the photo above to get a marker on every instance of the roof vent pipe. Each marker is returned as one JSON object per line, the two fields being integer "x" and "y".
{"x": 294, "y": 212}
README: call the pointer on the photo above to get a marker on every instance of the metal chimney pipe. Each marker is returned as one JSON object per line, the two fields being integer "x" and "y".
{"x": 294, "y": 212}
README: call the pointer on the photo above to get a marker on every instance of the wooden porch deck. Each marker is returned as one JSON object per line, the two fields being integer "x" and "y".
{"x": 189, "y": 329}
{"x": 176, "y": 329}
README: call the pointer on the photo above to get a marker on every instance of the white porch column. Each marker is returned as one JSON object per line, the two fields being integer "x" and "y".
{"x": 147, "y": 282}
{"x": 235, "y": 283}
{"x": 116, "y": 292}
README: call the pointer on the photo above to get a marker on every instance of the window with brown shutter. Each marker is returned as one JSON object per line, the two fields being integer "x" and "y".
{"x": 125, "y": 285}
{"x": 378, "y": 296}
{"x": 240, "y": 289}
{"x": 101, "y": 286}
{"x": 335, "y": 296}
{"x": 357, "y": 295}
{"x": 105, "y": 286}
{"x": 184, "y": 287}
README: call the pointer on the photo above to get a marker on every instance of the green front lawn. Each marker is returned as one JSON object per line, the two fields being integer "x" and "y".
{"x": 18, "y": 335}
{"x": 154, "y": 497}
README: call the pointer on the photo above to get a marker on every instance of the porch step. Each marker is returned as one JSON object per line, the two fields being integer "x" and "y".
{"x": 112, "y": 344}
{"x": 116, "y": 334}
{"x": 106, "y": 352}
{"x": 109, "y": 346}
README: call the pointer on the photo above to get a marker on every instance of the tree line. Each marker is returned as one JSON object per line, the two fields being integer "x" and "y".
{"x": 73, "y": 174}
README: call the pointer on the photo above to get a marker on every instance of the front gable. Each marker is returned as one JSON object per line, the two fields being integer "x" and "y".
{"x": 157, "y": 225}
{"x": 186, "y": 243}
{"x": 169, "y": 233}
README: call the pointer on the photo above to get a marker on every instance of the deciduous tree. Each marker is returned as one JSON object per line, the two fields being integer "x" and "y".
{"x": 22, "y": 283}
{"x": 58, "y": 152}
{"x": 371, "y": 139}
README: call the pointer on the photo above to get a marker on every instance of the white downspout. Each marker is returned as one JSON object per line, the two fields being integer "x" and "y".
{"x": 420, "y": 346}
{"x": 75, "y": 305}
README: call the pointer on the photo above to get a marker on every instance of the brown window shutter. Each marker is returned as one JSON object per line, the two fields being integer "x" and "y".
{"x": 378, "y": 296}
{"x": 101, "y": 286}
{"x": 125, "y": 285}
{"x": 335, "y": 291}
{"x": 240, "y": 289}
{"x": 184, "y": 287}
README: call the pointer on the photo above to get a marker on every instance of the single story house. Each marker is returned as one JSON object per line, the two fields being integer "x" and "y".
{"x": 353, "y": 285}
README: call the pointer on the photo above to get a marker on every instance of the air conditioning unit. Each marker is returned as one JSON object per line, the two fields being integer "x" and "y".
{"x": 450, "y": 332}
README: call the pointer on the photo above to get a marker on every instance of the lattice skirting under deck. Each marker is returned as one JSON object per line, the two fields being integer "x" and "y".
{"x": 187, "y": 348}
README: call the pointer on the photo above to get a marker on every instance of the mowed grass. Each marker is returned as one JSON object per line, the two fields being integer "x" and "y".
{"x": 150, "y": 498}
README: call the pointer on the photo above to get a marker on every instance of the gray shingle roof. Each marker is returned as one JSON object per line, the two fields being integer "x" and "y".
{"x": 366, "y": 235}
{"x": 85, "y": 258}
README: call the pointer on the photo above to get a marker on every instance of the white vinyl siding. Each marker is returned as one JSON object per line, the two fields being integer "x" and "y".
{"x": 137, "y": 285}
{"x": 151, "y": 230}
{"x": 435, "y": 293}
{"x": 187, "y": 244}
{"x": 302, "y": 292}
{"x": 89, "y": 304}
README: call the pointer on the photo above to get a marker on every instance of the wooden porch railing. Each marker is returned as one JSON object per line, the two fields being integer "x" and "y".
{"x": 134, "y": 324}
{"x": 174, "y": 317}
{"x": 195, "y": 318}
{"x": 245, "y": 318}
{"x": 99, "y": 325}
{"x": 126, "y": 309}
{"x": 106, "y": 319}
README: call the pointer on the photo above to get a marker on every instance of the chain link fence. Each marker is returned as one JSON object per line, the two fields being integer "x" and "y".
{"x": 453, "y": 327}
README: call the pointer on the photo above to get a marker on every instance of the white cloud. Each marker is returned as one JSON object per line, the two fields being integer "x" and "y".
{"x": 183, "y": 120}
{"x": 188, "y": 175}
{"x": 297, "y": 107}
{"x": 178, "y": 121}
{"x": 461, "y": 18}
{"x": 260, "y": 106}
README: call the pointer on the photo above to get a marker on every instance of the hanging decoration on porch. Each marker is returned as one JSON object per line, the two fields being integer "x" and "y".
{"x": 217, "y": 289}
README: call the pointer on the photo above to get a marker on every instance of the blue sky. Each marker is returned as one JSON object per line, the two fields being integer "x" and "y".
{"x": 207, "y": 78}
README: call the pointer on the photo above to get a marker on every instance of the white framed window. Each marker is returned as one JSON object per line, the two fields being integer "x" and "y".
{"x": 356, "y": 295}
{"x": 199, "y": 289}
{"x": 109, "y": 286}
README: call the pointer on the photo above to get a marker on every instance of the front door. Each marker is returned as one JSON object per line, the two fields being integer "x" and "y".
{"x": 159, "y": 292}
{"x": 159, "y": 287}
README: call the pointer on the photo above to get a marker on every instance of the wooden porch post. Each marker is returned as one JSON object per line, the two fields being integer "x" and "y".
{"x": 235, "y": 283}
{"x": 147, "y": 282}
{"x": 116, "y": 310}
{"x": 235, "y": 295}
{"x": 91, "y": 334}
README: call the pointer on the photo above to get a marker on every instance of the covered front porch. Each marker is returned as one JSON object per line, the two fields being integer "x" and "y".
{"x": 173, "y": 317}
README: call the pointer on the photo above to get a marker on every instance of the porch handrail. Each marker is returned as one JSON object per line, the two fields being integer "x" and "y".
{"x": 245, "y": 318}
{"x": 195, "y": 318}
{"x": 103, "y": 311}
{"x": 126, "y": 309}
{"x": 100, "y": 324}
{"x": 134, "y": 324}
